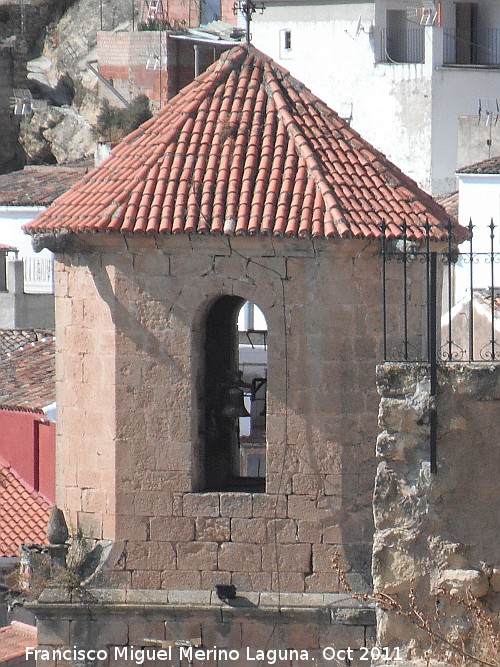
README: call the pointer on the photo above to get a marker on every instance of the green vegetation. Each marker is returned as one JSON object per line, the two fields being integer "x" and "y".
{"x": 177, "y": 25}
{"x": 113, "y": 124}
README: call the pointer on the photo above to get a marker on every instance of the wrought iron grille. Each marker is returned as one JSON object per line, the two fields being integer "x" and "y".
{"x": 401, "y": 45}
{"x": 481, "y": 49}
{"x": 441, "y": 303}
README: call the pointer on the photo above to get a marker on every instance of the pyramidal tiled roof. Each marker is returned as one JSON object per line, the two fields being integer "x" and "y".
{"x": 23, "y": 512}
{"x": 246, "y": 149}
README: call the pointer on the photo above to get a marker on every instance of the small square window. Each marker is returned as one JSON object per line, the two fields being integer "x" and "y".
{"x": 286, "y": 43}
{"x": 3, "y": 271}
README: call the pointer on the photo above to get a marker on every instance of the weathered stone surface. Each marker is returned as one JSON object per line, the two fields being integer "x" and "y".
{"x": 350, "y": 616}
{"x": 464, "y": 582}
{"x": 397, "y": 446}
{"x": 435, "y": 531}
{"x": 399, "y": 379}
{"x": 495, "y": 580}
{"x": 57, "y": 529}
{"x": 479, "y": 381}
{"x": 397, "y": 503}
{"x": 394, "y": 569}
{"x": 403, "y": 414}
{"x": 449, "y": 555}
{"x": 59, "y": 134}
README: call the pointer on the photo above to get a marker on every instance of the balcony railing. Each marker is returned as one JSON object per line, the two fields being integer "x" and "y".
{"x": 400, "y": 45}
{"x": 38, "y": 275}
{"x": 483, "y": 49}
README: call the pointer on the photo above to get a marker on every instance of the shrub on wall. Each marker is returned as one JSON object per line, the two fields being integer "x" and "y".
{"x": 113, "y": 124}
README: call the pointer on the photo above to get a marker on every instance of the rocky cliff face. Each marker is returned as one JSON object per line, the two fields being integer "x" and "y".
{"x": 44, "y": 48}
{"x": 11, "y": 76}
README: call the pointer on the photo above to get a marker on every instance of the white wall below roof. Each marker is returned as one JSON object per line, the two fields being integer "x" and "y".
{"x": 12, "y": 219}
{"x": 479, "y": 201}
{"x": 389, "y": 104}
{"x": 408, "y": 111}
{"x": 455, "y": 92}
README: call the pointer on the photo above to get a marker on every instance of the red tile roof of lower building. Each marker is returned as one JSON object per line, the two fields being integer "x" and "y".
{"x": 13, "y": 339}
{"x": 39, "y": 185}
{"x": 23, "y": 512}
{"x": 450, "y": 203}
{"x": 489, "y": 166}
{"x": 28, "y": 375}
{"x": 246, "y": 149}
{"x": 14, "y": 640}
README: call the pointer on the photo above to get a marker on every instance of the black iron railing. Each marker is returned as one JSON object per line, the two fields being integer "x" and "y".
{"x": 401, "y": 45}
{"x": 441, "y": 302}
{"x": 480, "y": 48}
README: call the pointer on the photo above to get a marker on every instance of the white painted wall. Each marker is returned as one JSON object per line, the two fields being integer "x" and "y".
{"x": 38, "y": 267}
{"x": 455, "y": 92}
{"x": 389, "y": 104}
{"x": 408, "y": 111}
{"x": 12, "y": 219}
{"x": 479, "y": 201}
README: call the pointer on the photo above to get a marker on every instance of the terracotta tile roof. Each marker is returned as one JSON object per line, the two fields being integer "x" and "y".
{"x": 14, "y": 639}
{"x": 489, "y": 166}
{"x": 28, "y": 375}
{"x": 23, "y": 512}
{"x": 246, "y": 149}
{"x": 450, "y": 203}
{"x": 13, "y": 339}
{"x": 483, "y": 295}
{"x": 40, "y": 185}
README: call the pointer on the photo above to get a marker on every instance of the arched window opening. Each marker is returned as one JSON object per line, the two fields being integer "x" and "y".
{"x": 235, "y": 396}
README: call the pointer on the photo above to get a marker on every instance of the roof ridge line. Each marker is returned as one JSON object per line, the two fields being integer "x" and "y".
{"x": 301, "y": 141}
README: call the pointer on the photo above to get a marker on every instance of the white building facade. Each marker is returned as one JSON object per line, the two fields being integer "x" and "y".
{"x": 479, "y": 204}
{"x": 27, "y": 278}
{"x": 402, "y": 72}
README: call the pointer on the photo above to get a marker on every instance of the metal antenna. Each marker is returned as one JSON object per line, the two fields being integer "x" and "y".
{"x": 247, "y": 8}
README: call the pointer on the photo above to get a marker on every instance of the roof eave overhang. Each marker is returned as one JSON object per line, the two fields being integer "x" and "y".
{"x": 58, "y": 241}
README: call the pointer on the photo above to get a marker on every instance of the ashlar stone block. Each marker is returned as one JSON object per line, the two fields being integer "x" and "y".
{"x": 234, "y": 557}
{"x": 197, "y": 556}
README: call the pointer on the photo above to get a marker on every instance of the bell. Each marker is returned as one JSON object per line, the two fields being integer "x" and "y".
{"x": 235, "y": 406}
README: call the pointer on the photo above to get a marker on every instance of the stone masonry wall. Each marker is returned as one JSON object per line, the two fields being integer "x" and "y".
{"x": 258, "y": 629}
{"x": 131, "y": 327}
{"x": 86, "y": 426}
{"x": 437, "y": 531}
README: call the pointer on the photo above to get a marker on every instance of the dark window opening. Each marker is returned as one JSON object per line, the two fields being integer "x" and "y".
{"x": 3, "y": 271}
{"x": 404, "y": 39}
{"x": 467, "y": 34}
{"x": 235, "y": 396}
{"x": 288, "y": 40}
